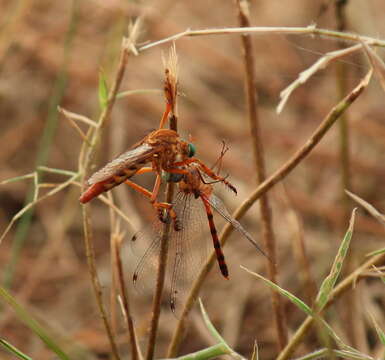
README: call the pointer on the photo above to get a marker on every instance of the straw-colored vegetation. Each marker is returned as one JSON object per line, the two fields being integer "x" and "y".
{"x": 294, "y": 91}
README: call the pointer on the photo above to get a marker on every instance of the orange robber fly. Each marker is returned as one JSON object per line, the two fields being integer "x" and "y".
{"x": 193, "y": 203}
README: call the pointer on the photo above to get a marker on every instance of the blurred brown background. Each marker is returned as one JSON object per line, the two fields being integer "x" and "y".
{"x": 51, "y": 53}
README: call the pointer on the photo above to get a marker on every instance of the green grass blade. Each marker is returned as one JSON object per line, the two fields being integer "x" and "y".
{"x": 318, "y": 354}
{"x": 6, "y": 345}
{"x": 23, "y": 315}
{"x": 103, "y": 90}
{"x": 296, "y": 301}
{"x": 209, "y": 324}
{"x": 208, "y": 353}
{"x": 222, "y": 343}
{"x": 343, "y": 354}
{"x": 379, "y": 331}
{"x": 17, "y": 178}
{"x": 334, "y": 335}
{"x": 376, "y": 252}
{"x": 330, "y": 280}
{"x": 56, "y": 171}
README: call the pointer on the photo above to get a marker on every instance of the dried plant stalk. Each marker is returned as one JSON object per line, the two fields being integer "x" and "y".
{"x": 125, "y": 299}
{"x": 351, "y": 317}
{"x": 308, "y": 30}
{"x": 85, "y": 162}
{"x": 171, "y": 84}
{"x": 259, "y": 163}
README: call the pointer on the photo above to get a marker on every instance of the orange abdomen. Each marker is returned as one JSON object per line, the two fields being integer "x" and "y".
{"x": 93, "y": 191}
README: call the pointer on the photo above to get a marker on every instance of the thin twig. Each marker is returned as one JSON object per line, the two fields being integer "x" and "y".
{"x": 114, "y": 234}
{"x": 308, "y": 30}
{"x": 106, "y": 113}
{"x": 341, "y": 77}
{"x": 156, "y": 305}
{"x": 90, "y": 254}
{"x": 280, "y": 174}
{"x": 351, "y": 317}
{"x": 171, "y": 83}
{"x": 339, "y": 290}
{"x": 259, "y": 161}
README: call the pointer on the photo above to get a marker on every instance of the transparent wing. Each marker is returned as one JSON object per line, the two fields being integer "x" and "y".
{"x": 220, "y": 208}
{"x": 145, "y": 247}
{"x": 126, "y": 160}
{"x": 188, "y": 249}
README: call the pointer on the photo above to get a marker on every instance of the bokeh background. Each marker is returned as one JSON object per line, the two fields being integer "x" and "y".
{"x": 51, "y": 54}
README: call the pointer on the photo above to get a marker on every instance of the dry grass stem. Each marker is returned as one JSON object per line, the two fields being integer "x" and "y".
{"x": 171, "y": 82}
{"x": 259, "y": 163}
{"x": 368, "y": 207}
{"x": 352, "y": 319}
{"x": 77, "y": 117}
{"x": 377, "y": 63}
{"x": 90, "y": 254}
{"x": 114, "y": 234}
{"x": 320, "y": 64}
{"x": 125, "y": 301}
{"x": 309, "y": 30}
{"x": 86, "y": 161}
{"x": 36, "y": 201}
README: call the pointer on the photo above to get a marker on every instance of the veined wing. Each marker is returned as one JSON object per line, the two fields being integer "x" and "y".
{"x": 128, "y": 161}
{"x": 220, "y": 208}
{"x": 188, "y": 250}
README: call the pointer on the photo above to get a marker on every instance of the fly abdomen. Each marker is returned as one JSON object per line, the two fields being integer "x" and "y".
{"x": 217, "y": 245}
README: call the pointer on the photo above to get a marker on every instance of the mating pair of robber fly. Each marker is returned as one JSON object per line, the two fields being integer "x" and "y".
{"x": 163, "y": 151}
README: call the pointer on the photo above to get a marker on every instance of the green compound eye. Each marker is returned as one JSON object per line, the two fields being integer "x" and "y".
{"x": 191, "y": 150}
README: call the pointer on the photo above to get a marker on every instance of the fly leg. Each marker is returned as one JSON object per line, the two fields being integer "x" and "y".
{"x": 159, "y": 206}
{"x": 207, "y": 171}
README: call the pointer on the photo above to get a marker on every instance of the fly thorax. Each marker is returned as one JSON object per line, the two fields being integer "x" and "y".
{"x": 185, "y": 186}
